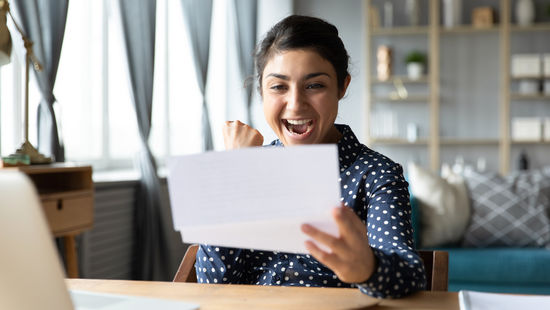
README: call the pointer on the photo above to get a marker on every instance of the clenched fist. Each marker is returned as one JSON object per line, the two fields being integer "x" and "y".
{"x": 238, "y": 135}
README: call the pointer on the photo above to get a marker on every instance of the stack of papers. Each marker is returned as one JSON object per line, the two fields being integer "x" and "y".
{"x": 255, "y": 198}
{"x": 492, "y": 301}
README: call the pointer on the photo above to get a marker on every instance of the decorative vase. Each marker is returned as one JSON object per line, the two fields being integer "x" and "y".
{"x": 388, "y": 14}
{"x": 452, "y": 13}
{"x": 412, "y": 12}
{"x": 414, "y": 70}
{"x": 525, "y": 12}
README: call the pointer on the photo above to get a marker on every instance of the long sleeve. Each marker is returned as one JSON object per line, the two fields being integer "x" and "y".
{"x": 400, "y": 271}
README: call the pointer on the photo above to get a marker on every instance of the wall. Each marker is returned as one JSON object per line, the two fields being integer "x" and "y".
{"x": 347, "y": 16}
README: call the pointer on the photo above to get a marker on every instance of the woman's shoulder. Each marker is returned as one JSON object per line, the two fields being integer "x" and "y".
{"x": 356, "y": 154}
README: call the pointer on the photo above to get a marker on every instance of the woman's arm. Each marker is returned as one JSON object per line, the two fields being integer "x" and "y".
{"x": 238, "y": 135}
{"x": 350, "y": 256}
{"x": 400, "y": 270}
{"x": 391, "y": 267}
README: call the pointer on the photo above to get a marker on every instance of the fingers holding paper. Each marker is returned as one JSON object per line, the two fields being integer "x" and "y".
{"x": 238, "y": 135}
{"x": 350, "y": 255}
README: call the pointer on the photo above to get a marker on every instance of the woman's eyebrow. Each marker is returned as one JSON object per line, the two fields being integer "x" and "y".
{"x": 306, "y": 77}
{"x": 315, "y": 74}
{"x": 279, "y": 76}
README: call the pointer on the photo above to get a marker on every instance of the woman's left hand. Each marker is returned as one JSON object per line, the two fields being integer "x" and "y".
{"x": 351, "y": 257}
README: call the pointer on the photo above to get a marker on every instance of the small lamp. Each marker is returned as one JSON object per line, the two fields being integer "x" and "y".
{"x": 5, "y": 39}
{"x": 27, "y": 153}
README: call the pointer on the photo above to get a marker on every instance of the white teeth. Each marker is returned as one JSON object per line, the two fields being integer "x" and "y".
{"x": 298, "y": 121}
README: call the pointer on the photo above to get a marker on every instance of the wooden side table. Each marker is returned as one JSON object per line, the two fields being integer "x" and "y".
{"x": 67, "y": 195}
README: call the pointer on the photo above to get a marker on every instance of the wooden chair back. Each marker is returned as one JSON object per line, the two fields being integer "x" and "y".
{"x": 437, "y": 269}
{"x": 186, "y": 270}
{"x": 436, "y": 263}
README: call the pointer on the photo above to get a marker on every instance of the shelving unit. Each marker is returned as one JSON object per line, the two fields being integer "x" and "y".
{"x": 468, "y": 29}
{"x": 393, "y": 141}
{"x": 399, "y": 31}
{"x": 403, "y": 78}
{"x": 436, "y": 90}
{"x": 411, "y": 98}
{"x": 536, "y": 27}
{"x": 529, "y": 97}
{"x": 457, "y": 141}
{"x": 531, "y": 142}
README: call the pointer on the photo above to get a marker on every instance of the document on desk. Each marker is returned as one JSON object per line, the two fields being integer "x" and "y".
{"x": 255, "y": 198}
{"x": 470, "y": 300}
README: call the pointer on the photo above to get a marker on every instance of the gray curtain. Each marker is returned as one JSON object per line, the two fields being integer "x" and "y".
{"x": 152, "y": 252}
{"x": 44, "y": 23}
{"x": 246, "y": 13}
{"x": 198, "y": 17}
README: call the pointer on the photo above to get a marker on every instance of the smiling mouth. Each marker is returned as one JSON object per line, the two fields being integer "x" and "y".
{"x": 298, "y": 126}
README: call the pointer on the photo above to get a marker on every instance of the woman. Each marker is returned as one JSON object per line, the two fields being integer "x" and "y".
{"x": 302, "y": 68}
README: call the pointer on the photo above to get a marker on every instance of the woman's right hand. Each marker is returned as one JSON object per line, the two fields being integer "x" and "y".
{"x": 238, "y": 135}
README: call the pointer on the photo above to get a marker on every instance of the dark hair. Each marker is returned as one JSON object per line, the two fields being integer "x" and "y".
{"x": 304, "y": 32}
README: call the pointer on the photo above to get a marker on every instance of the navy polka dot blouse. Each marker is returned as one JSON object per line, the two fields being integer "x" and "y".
{"x": 374, "y": 187}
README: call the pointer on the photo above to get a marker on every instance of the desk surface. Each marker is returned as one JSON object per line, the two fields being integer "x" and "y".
{"x": 223, "y": 296}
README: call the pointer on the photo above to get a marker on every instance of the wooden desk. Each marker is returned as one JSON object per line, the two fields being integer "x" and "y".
{"x": 67, "y": 196}
{"x": 223, "y": 296}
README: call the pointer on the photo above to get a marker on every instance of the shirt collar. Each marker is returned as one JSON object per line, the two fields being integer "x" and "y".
{"x": 348, "y": 146}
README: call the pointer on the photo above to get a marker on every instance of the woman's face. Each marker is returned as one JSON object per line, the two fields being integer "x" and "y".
{"x": 300, "y": 97}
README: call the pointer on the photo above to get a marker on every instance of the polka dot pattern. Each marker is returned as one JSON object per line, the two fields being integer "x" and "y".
{"x": 374, "y": 187}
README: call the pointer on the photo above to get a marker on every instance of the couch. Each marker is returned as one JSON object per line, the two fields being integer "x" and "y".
{"x": 500, "y": 239}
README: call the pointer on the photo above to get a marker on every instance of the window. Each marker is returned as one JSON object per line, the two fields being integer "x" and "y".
{"x": 177, "y": 101}
{"x": 94, "y": 104}
{"x": 12, "y": 97}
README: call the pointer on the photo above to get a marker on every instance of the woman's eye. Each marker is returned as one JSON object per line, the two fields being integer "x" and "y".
{"x": 315, "y": 86}
{"x": 277, "y": 87}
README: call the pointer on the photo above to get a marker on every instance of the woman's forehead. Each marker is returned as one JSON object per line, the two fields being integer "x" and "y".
{"x": 297, "y": 62}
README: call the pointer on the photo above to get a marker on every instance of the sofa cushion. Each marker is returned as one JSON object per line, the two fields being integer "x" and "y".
{"x": 518, "y": 266}
{"x": 443, "y": 205}
{"x": 509, "y": 211}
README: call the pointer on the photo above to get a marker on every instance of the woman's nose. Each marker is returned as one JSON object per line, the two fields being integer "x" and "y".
{"x": 295, "y": 100}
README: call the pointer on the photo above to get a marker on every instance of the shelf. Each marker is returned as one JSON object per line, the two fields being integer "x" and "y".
{"x": 539, "y": 142}
{"x": 469, "y": 29}
{"x": 397, "y": 141}
{"x": 396, "y": 31}
{"x": 529, "y": 97}
{"x": 534, "y": 27}
{"x": 405, "y": 79}
{"x": 531, "y": 77}
{"x": 422, "y": 99}
{"x": 462, "y": 141}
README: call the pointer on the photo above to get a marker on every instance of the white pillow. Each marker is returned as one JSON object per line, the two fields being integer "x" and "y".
{"x": 444, "y": 205}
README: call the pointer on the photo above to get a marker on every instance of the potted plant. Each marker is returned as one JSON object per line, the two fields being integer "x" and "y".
{"x": 415, "y": 61}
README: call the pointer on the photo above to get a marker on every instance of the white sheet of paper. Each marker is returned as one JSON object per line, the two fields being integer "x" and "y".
{"x": 471, "y": 300}
{"x": 255, "y": 198}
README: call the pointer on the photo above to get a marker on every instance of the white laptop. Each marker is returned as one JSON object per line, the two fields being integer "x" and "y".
{"x": 31, "y": 276}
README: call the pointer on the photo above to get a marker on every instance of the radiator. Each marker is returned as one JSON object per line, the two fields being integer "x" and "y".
{"x": 105, "y": 252}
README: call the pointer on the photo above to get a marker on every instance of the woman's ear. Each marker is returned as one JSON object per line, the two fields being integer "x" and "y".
{"x": 342, "y": 91}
